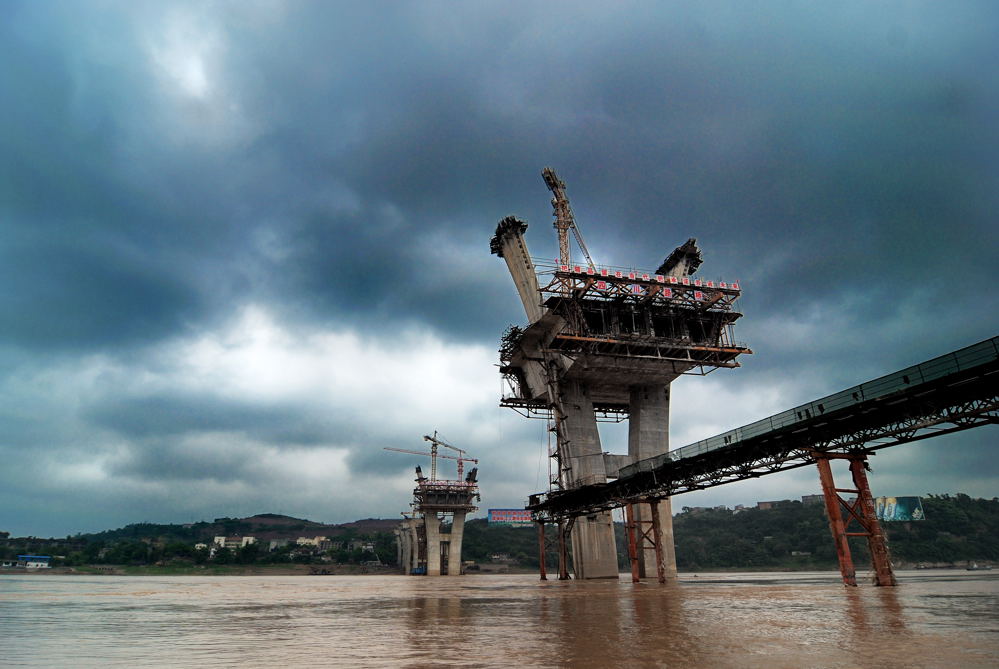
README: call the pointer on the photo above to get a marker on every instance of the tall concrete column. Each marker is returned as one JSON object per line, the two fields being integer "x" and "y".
{"x": 648, "y": 436}
{"x": 666, "y": 535}
{"x": 433, "y": 524}
{"x": 408, "y": 545}
{"x": 414, "y": 543}
{"x": 454, "y": 554}
{"x": 402, "y": 548}
{"x": 594, "y": 552}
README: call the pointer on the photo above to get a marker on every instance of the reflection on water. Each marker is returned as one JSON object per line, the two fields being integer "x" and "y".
{"x": 933, "y": 619}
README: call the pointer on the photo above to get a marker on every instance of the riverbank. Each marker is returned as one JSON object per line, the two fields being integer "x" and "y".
{"x": 210, "y": 570}
{"x": 358, "y": 570}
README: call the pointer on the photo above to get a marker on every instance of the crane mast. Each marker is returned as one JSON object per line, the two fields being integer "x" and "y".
{"x": 564, "y": 220}
{"x": 434, "y": 454}
{"x": 440, "y": 442}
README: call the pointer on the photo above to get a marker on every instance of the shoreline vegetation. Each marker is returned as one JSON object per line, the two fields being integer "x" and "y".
{"x": 209, "y": 570}
{"x": 385, "y": 570}
{"x": 241, "y": 570}
{"x": 787, "y": 536}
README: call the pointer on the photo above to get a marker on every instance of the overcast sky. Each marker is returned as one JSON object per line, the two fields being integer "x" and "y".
{"x": 244, "y": 246}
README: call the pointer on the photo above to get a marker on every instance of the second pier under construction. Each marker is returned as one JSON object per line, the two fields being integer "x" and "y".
{"x": 427, "y": 544}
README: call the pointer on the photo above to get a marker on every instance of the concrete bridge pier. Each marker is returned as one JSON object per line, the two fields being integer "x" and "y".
{"x": 408, "y": 547}
{"x": 433, "y": 526}
{"x": 594, "y": 551}
{"x": 454, "y": 550}
{"x": 415, "y": 532}
{"x": 648, "y": 436}
{"x": 402, "y": 548}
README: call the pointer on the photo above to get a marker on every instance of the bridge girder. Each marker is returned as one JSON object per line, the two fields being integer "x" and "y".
{"x": 953, "y": 404}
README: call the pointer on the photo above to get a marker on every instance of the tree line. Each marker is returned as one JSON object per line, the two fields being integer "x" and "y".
{"x": 956, "y": 529}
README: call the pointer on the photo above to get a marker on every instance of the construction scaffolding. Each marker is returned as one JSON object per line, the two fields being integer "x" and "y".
{"x": 431, "y": 535}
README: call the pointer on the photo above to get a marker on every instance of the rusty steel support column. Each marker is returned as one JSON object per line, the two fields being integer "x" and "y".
{"x": 629, "y": 525}
{"x": 563, "y": 552}
{"x": 657, "y": 538}
{"x": 541, "y": 550}
{"x": 836, "y": 525}
{"x": 876, "y": 540}
{"x": 644, "y": 537}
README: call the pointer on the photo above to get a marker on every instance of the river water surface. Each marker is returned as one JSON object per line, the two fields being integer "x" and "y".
{"x": 933, "y": 619}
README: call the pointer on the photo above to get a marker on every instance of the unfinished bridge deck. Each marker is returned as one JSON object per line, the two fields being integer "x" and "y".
{"x": 950, "y": 393}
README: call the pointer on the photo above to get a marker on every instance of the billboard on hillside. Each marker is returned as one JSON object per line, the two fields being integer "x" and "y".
{"x": 898, "y": 508}
{"x": 509, "y": 517}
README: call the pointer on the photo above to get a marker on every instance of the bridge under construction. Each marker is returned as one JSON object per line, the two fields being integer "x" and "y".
{"x": 427, "y": 545}
{"x": 605, "y": 342}
{"x": 949, "y": 393}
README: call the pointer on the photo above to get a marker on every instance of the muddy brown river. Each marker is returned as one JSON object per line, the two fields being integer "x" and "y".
{"x": 938, "y": 618}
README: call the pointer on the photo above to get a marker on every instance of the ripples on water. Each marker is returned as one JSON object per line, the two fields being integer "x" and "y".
{"x": 933, "y": 619}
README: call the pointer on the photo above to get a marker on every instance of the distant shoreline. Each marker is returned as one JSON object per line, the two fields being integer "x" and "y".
{"x": 349, "y": 570}
{"x": 208, "y": 570}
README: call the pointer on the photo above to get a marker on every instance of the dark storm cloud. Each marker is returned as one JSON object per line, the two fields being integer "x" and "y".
{"x": 79, "y": 293}
{"x": 168, "y": 461}
{"x": 343, "y": 166}
{"x": 107, "y": 235}
{"x": 166, "y": 416}
{"x": 796, "y": 154}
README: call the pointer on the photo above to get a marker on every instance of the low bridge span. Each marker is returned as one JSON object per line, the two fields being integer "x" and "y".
{"x": 950, "y": 393}
{"x": 953, "y": 392}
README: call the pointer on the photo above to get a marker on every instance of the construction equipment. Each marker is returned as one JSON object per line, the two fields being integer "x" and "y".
{"x": 427, "y": 543}
{"x": 564, "y": 220}
{"x": 434, "y": 454}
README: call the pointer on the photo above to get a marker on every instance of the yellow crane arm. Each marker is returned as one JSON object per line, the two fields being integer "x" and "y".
{"x": 564, "y": 220}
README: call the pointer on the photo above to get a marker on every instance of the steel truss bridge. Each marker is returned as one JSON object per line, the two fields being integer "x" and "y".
{"x": 950, "y": 393}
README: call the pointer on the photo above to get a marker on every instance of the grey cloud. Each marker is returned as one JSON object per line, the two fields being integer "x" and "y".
{"x": 141, "y": 417}
{"x": 168, "y": 461}
{"x": 839, "y": 160}
{"x": 82, "y": 294}
{"x": 692, "y": 124}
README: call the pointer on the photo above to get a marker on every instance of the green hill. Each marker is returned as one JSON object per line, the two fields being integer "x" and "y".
{"x": 957, "y": 529}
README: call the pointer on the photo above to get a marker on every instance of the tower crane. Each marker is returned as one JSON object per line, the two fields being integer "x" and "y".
{"x": 564, "y": 220}
{"x": 434, "y": 454}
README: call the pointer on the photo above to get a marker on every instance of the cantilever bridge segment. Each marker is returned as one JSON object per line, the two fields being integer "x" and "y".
{"x": 607, "y": 341}
{"x": 950, "y": 393}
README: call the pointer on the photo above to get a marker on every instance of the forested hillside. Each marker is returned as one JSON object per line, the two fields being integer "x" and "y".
{"x": 957, "y": 529}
